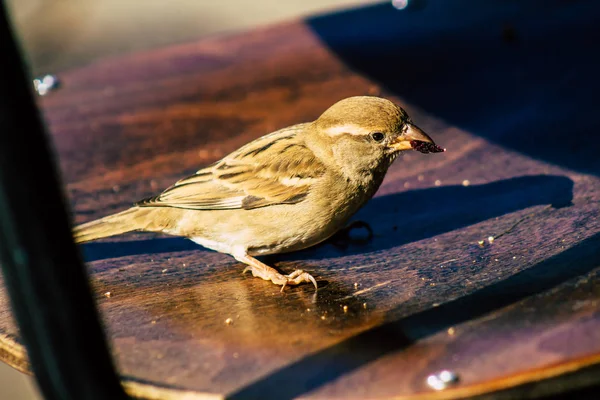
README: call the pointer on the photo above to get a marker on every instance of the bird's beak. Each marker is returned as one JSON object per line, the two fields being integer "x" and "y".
{"x": 409, "y": 133}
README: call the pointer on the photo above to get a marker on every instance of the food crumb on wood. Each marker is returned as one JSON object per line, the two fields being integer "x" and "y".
{"x": 164, "y": 270}
{"x": 229, "y": 321}
{"x": 365, "y": 306}
{"x": 107, "y": 294}
{"x": 345, "y": 309}
{"x": 491, "y": 239}
{"x": 355, "y": 285}
{"x": 481, "y": 243}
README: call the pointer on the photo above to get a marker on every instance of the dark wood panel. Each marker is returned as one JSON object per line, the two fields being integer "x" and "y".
{"x": 421, "y": 296}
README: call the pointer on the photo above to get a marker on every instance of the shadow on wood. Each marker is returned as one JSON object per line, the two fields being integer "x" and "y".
{"x": 412, "y": 215}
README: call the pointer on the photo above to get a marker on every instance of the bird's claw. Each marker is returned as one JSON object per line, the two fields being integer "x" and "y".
{"x": 295, "y": 278}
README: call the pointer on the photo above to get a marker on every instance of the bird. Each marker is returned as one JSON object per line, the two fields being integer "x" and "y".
{"x": 285, "y": 191}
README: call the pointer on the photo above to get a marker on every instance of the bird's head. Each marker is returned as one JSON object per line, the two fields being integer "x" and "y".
{"x": 367, "y": 133}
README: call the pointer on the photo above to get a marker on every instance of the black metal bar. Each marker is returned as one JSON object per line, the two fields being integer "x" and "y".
{"x": 46, "y": 280}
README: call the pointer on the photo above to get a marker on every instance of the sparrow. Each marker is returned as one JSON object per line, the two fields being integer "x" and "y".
{"x": 283, "y": 192}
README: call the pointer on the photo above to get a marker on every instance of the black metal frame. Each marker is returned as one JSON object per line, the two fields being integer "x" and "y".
{"x": 44, "y": 274}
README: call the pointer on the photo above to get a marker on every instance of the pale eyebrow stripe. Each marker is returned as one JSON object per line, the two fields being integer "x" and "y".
{"x": 350, "y": 129}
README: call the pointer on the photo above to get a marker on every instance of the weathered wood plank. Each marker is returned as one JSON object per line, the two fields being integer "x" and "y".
{"x": 423, "y": 295}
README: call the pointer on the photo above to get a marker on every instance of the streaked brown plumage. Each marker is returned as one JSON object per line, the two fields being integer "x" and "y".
{"x": 285, "y": 191}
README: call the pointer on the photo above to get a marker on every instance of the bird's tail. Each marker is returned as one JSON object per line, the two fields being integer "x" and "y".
{"x": 123, "y": 222}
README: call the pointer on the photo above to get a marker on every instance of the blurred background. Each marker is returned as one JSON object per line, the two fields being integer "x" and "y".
{"x": 62, "y": 34}
{"x": 59, "y": 34}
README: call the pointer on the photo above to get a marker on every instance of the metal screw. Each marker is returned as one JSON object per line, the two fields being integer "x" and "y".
{"x": 45, "y": 84}
{"x": 441, "y": 380}
{"x": 400, "y": 4}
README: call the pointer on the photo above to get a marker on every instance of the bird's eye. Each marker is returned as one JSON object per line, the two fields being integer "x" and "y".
{"x": 377, "y": 136}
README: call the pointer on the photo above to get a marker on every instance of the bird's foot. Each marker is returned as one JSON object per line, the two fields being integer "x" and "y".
{"x": 263, "y": 271}
{"x": 295, "y": 278}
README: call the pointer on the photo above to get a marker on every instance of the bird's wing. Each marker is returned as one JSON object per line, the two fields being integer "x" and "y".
{"x": 251, "y": 177}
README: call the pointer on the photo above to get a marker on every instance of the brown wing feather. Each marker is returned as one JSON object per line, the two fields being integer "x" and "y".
{"x": 249, "y": 178}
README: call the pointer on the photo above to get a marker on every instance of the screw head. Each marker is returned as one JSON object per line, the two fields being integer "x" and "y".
{"x": 441, "y": 380}
{"x": 400, "y": 4}
{"x": 45, "y": 84}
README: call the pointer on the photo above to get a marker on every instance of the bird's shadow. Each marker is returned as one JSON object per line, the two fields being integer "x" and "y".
{"x": 522, "y": 74}
{"x": 391, "y": 223}
{"x": 406, "y": 217}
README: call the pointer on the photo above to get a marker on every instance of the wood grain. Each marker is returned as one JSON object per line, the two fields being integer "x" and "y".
{"x": 423, "y": 295}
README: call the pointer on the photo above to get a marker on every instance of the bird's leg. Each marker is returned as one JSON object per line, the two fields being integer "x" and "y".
{"x": 267, "y": 273}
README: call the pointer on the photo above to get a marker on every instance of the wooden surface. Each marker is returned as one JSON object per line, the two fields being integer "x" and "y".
{"x": 509, "y": 89}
